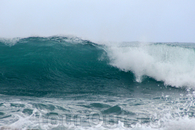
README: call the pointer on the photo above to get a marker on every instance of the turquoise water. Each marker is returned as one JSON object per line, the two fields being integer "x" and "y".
{"x": 70, "y": 83}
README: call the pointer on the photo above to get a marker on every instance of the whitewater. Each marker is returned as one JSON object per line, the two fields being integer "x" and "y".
{"x": 171, "y": 63}
{"x": 69, "y": 83}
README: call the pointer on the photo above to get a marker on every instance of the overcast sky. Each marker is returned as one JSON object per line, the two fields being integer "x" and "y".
{"x": 100, "y": 20}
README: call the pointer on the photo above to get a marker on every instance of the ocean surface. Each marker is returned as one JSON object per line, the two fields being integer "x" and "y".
{"x": 66, "y": 83}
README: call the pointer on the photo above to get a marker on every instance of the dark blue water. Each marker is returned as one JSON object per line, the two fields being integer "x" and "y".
{"x": 69, "y": 83}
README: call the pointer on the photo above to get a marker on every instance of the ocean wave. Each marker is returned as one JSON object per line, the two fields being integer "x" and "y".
{"x": 69, "y": 61}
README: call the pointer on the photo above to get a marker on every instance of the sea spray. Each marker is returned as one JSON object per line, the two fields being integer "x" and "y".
{"x": 174, "y": 65}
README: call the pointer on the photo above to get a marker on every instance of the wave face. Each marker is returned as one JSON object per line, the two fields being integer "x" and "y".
{"x": 41, "y": 66}
{"x": 52, "y": 82}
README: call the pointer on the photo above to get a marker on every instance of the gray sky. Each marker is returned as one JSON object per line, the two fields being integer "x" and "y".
{"x": 100, "y": 20}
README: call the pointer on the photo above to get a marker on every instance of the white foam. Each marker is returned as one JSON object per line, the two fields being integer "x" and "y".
{"x": 181, "y": 124}
{"x": 172, "y": 64}
{"x": 10, "y": 41}
{"x": 166, "y": 118}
